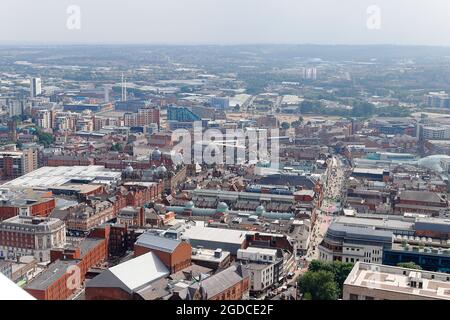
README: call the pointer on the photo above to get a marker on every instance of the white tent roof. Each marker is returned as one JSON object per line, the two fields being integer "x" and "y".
{"x": 141, "y": 270}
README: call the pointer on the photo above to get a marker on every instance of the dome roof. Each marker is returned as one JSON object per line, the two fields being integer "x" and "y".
{"x": 177, "y": 158}
{"x": 189, "y": 205}
{"x": 260, "y": 210}
{"x": 156, "y": 154}
{"x": 128, "y": 170}
{"x": 222, "y": 207}
{"x": 161, "y": 169}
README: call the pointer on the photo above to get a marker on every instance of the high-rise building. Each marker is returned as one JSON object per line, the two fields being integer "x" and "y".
{"x": 35, "y": 87}
{"x": 437, "y": 100}
{"x": 15, "y": 108}
{"x": 14, "y": 164}
{"x": 44, "y": 119}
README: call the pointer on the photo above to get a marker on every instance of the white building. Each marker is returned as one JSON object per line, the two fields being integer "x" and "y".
{"x": 369, "y": 281}
{"x": 264, "y": 267}
{"x": 44, "y": 119}
{"x": 436, "y": 132}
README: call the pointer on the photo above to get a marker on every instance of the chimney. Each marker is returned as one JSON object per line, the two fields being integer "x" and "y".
{"x": 141, "y": 216}
{"x": 218, "y": 253}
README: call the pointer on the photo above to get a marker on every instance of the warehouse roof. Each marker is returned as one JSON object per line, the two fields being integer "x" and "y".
{"x": 131, "y": 275}
{"x": 214, "y": 234}
{"x": 156, "y": 242}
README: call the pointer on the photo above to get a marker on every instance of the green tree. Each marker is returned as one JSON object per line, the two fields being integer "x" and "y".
{"x": 296, "y": 124}
{"x": 44, "y": 137}
{"x": 363, "y": 109}
{"x": 340, "y": 270}
{"x": 319, "y": 285}
{"x": 285, "y": 125}
{"x": 409, "y": 265}
{"x": 116, "y": 147}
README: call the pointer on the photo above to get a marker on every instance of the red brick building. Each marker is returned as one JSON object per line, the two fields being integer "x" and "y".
{"x": 138, "y": 194}
{"x": 69, "y": 267}
{"x": 175, "y": 254}
{"x": 35, "y": 204}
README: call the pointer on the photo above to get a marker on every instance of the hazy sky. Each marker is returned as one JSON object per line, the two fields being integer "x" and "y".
{"x": 226, "y": 21}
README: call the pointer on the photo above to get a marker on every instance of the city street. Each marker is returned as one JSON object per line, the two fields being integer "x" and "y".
{"x": 332, "y": 194}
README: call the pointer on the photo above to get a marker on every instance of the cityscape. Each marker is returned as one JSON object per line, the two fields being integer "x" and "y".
{"x": 251, "y": 172}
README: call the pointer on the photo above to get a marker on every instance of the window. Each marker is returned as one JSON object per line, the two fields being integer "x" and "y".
{"x": 353, "y": 296}
{"x": 370, "y": 298}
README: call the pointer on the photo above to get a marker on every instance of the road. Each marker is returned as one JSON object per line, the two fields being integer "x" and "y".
{"x": 333, "y": 184}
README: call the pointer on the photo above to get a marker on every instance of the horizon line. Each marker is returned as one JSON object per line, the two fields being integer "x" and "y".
{"x": 200, "y": 44}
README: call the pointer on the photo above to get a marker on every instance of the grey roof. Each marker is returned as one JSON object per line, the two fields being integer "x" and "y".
{"x": 221, "y": 281}
{"x": 55, "y": 271}
{"x": 88, "y": 244}
{"x": 420, "y": 196}
{"x": 283, "y": 179}
{"x": 381, "y": 224}
{"x": 157, "y": 243}
{"x": 359, "y": 234}
{"x": 131, "y": 275}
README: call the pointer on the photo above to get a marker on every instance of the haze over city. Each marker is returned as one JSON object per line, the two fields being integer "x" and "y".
{"x": 413, "y": 22}
{"x": 246, "y": 152}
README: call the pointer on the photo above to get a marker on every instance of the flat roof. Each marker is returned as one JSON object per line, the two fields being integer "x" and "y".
{"x": 260, "y": 250}
{"x": 368, "y": 170}
{"x": 214, "y": 234}
{"x": 47, "y": 177}
{"x": 396, "y": 279}
{"x": 157, "y": 242}
{"x": 377, "y": 223}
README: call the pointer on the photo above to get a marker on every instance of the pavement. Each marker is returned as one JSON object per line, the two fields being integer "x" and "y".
{"x": 332, "y": 193}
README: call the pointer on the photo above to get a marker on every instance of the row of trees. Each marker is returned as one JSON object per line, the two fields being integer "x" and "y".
{"x": 359, "y": 109}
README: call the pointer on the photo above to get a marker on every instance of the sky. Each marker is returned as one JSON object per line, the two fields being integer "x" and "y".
{"x": 402, "y": 22}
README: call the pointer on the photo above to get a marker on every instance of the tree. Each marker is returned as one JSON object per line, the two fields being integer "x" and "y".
{"x": 44, "y": 137}
{"x": 409, "y": 265}
{"x": 340, "y": 270}
{"x": 116, "y": 147}
{"x": 285, "y": 125}
{"x": 319, "y": 285}
{"x": 363, "y": 109}
{"x": 296, "y": 124}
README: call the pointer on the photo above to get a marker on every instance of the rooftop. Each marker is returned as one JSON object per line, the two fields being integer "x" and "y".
{"x": 133, "y": 274}
{"x": 380, "y": 277}
{"x": 47, "y": 177}
{"x": 377, "y": 223}
{"x": 55, "y": 271}
{"x": 157, "y": 242}
{"x": 214, "y": 234}
{"x": 423, "y": 196}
